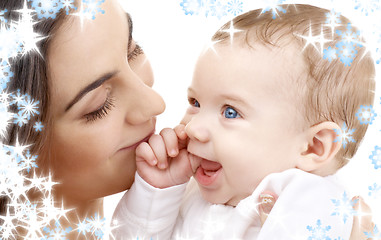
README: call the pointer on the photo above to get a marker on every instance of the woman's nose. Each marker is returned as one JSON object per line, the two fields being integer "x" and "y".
{"x": 197, "y": 129}
{"x": 147, "y": 103}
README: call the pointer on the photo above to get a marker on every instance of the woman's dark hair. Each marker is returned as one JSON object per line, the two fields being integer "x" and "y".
{"x": 30, "y": 78}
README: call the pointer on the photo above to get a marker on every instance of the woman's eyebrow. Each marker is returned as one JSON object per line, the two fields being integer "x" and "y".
{"x": 95, "y": 84}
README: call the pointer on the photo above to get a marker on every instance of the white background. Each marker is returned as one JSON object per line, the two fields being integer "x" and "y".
{"x": 172, "y": 42}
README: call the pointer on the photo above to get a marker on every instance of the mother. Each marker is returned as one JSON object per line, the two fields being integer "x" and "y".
{"x": 94, "y": 85}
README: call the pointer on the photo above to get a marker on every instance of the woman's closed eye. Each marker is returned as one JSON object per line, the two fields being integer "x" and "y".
{"x": 101, "y": 112}
{"x": 137, "y": 50}
{"x": 230, "y": 112}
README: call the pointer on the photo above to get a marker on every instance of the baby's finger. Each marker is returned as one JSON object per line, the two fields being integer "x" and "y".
{"x": 266, "y": 202}
{"x": 180, "y": 131}
{"x": 182, "y": 135}
{"x": 170, "y": 141}
{"x": 157, "y": 144}
{"x": 144, "y": 153}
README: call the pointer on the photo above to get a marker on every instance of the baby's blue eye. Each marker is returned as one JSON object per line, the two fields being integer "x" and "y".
{"x": 231, "y": 113}
{"x": 194, "y": 102}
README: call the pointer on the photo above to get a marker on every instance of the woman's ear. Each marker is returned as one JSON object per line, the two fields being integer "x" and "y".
{"x": 322, "y": 146}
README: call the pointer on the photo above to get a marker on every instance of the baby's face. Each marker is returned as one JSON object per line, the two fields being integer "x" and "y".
{"x": 243, "y": 122}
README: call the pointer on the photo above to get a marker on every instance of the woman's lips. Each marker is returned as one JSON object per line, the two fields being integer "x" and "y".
{"x": 135, "y": 145}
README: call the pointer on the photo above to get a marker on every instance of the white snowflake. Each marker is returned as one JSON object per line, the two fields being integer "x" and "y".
{"x": 46, "y": 8}
{"x": 319, "y": 232}
{"x": 235, "y": 7}
{"x": 368, "y": 6}
{"x": 344, "y": 207}
{"x": 29, "y": 107}
{"x": 344, "y": 135}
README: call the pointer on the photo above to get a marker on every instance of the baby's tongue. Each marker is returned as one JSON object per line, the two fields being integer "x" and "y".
{"x": 210, "y": 167}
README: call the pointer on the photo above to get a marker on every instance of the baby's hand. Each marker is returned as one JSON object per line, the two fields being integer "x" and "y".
{"x": 163, "y": 161}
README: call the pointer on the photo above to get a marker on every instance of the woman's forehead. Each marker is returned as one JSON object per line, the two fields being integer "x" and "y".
{"x": 82, "y": 51}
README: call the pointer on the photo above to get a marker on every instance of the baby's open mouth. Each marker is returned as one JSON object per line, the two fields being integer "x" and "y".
{"x": 207, "y": 172}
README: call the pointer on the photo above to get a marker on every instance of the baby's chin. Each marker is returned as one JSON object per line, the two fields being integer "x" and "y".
{"x": 223, "y": 200}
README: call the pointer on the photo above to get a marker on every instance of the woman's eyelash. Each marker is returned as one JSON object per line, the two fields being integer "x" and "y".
{"x": 136, "y": 52}
{"x": 102, "y": 111}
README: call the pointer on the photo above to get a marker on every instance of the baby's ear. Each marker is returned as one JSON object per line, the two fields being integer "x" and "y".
{"x": 322, "y": 146}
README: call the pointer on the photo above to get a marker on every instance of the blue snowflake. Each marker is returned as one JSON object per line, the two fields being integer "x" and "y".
{"x": 344, "y": 207}
{"x": 38, "y": 126}
{"x": 191, "y": 7}
{"x": 378, "y": 55}
{"x": 375, "y": 190}
{"x": 366, "y": 114}
{"x": 17, "y": 98}
{"x": 2, "y": 19}
{"x": 218, "y": 10}
{"x": 318, "y": 232}
{"x": 275, "y": 11}
{"x": 235, "y": 7}
{"x": 83, "y": 227}
{"x": 346, "y": 52}
{"x": 57, "y": 233}
{"x": 5, "y": 75}
{"x": 368, "y": 6}
{"x": 28, "y": 162}
{"x": 376, "y": 157}
{"x": 46, "y": 8}
{"x": 344, "y": 135}
{"x": 329, "y": 53}
{"x": 93, "y": 7}
{"x": 20, "y": 119}
{"x": 349, "y": 36}
{"x": 375, "y": 234}
{"x": 333, "y": 18}
{"x": 67, "y": 5}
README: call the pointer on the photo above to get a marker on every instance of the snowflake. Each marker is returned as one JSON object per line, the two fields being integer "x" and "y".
{"x": 330, "y": 54}
{"x": 235, "y": 7}
{"x": 375, "y": 190}
{"x": 97, "y": 226}
{"x": 29, "y": 107}
{"x": 67, "y": 5}
{"x": 191, "y": 7}
{"x": 57, "y": 233}
{"x": 2, "y": 19}
{"x": 366, "y": 114}
{"x": 346, "y": 52}
{"x": 376, "y": 157}
{"x": 218, "y": 10}
{"x": 274, "y": 7}
{"x": 20, "y": 119}
{"x": 344, "y": 135}
{"x": 349, "y": 36}
{"x": 46, "y": 8}
{"x": 38, "y": 126}
{"x": 333, "y": 20}
{"x": 18, "y": 98}
{"x": 29, "y": 161}
{"x": 5, "y": 75}
{"x": 84, "y": 227}
{"x": 5, "y": 118}
{"x": 318, "y": 232}
{"x": 344, "y": 207}
{"x": 10, "y": 45}
{"x": 375, "y": 234}
{"x": 368, "y": 6}
{"x": 378, "y": 55}
{"x": 93, "y": 7}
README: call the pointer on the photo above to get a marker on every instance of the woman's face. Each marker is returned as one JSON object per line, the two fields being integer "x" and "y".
{"x": 101, "y": 102}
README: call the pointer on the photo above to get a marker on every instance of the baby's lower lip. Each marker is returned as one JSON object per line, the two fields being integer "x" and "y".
{"x": 208, "y": 176}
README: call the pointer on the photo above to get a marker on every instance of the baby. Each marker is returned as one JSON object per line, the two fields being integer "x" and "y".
{"x": 270, "y": 108}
